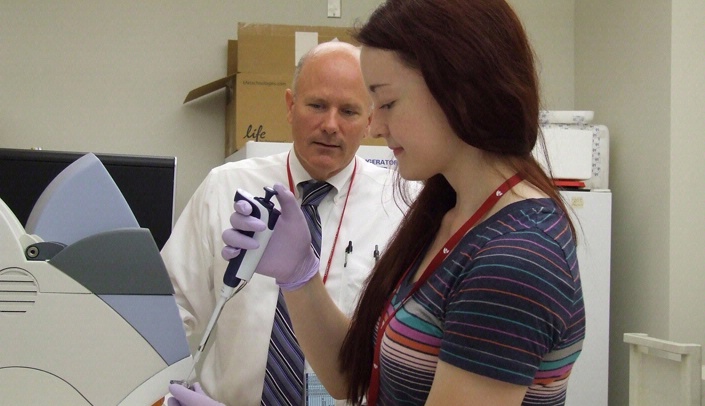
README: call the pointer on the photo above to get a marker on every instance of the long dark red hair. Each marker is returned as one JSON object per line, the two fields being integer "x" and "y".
{"x": 477, "y": 62}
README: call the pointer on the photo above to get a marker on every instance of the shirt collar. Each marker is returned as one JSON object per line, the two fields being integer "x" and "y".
{"x": 299, "y": 174}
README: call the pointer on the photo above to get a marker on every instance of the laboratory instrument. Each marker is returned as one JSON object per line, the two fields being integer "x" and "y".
{"x": 88, "y": 315}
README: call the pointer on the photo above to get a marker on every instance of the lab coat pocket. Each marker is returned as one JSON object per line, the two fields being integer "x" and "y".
{"x": 354, "y": 280}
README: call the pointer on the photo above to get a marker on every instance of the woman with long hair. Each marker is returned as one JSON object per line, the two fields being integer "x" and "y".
{"x": 477, "y": 299}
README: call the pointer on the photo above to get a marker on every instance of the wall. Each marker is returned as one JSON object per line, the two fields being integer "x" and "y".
{"x": 639, "y": 65}
{"x": 550, "y": 25}
{"x": 687, "y": 228}
{"x": 110, "y": 77}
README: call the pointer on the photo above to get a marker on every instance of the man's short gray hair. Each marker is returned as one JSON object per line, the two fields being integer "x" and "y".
{"x": 305, "y": 57}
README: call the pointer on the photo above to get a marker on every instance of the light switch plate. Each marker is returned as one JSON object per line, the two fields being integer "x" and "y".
{"x": 334, "y": 8}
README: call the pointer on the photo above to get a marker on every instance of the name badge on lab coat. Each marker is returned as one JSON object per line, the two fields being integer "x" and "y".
{"x": 316, "y": 394}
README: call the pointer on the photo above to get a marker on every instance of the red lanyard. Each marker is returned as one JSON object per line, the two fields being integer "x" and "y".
{"x": 386, "y": 318}
{"x": 340, "y": 223}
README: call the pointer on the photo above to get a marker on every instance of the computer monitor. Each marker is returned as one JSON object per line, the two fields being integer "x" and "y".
{"x": 148, "y": 183}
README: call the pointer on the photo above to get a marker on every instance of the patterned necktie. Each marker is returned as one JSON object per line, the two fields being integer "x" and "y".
{"x": 313, "y": 194}
{"x": 284, "y": 376}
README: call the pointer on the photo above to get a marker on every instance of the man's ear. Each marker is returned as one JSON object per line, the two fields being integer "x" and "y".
{"x": 289, "y": 98}
{"x": 369, "y": 123}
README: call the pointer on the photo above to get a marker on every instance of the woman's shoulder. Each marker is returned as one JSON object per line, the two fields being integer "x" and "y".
{"x": 540, "y": 213}
{"x": 530, "y": 225}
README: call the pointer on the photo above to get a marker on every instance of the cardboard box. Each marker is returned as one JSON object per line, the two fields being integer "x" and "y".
{"x": 255, "y": 107}
{"x": 268, "y": 48}
{"x": 261, "y": 108}
{"x": 260, "y": 68}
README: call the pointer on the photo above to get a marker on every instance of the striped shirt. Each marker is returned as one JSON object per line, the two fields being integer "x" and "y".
{"x": 506, "y": 304}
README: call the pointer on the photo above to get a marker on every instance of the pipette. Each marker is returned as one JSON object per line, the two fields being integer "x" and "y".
{"x": 241, "y": 268}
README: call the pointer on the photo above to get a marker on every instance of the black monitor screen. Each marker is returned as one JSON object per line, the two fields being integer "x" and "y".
{"x": 147, "y": 183}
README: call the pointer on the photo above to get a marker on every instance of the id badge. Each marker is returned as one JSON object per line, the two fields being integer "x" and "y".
{"x": 316, "y": 394}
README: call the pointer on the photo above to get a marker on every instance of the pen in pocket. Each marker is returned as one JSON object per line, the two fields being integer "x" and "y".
{"x": 348, "y": 250}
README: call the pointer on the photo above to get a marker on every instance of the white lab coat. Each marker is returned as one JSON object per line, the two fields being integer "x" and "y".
{"x": 233, "y": 366}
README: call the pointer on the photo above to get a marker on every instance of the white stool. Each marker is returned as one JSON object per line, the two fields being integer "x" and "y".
{"x": 664, "y": 372}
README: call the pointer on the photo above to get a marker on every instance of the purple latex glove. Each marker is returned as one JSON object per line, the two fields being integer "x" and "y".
{"x": 288, "y": 258}
{"x": 183, "y": 396}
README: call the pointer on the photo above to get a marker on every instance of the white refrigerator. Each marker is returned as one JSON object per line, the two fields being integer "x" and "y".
{"x": 593, "y": 211}
{"x": 579, "y": 151}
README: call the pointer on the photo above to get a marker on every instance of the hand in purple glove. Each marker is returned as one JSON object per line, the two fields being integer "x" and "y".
{"x": 183, "y": 396}
{"x": 288, "y": 258}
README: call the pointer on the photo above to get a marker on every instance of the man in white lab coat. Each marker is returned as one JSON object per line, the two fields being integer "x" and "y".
{"x": 329, "y": 110}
